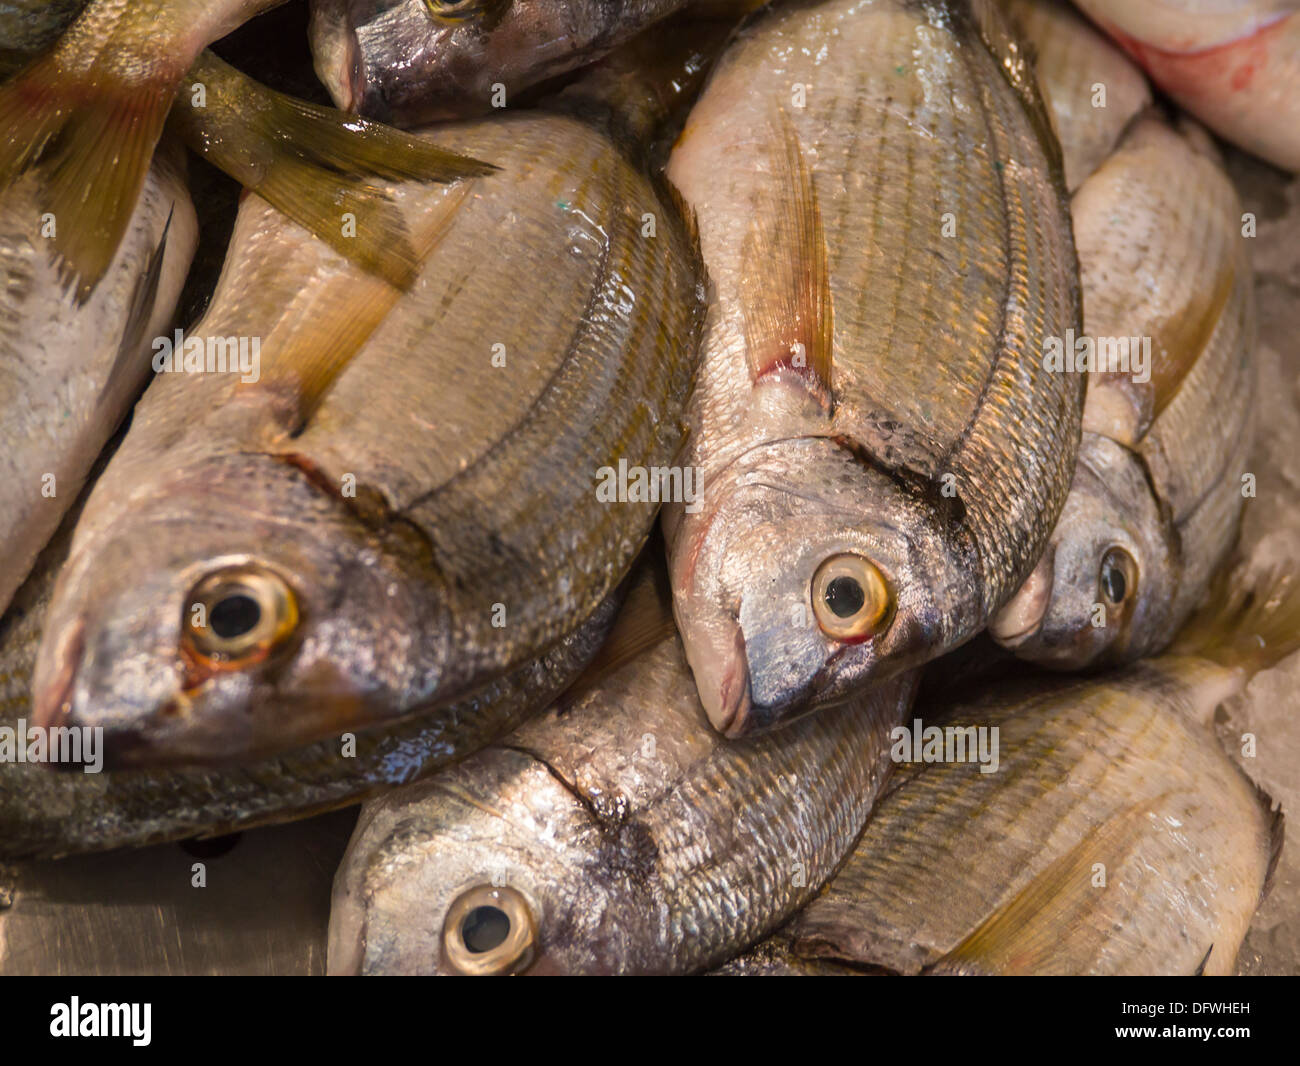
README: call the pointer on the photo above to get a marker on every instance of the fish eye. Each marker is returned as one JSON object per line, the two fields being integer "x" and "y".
{"x": 1118, "y": 576}
{"x": 246, "y": 611}
{"x": 453, "y": 10}
{"x": 489, "y": 931}
{"x": 850, "y": 598}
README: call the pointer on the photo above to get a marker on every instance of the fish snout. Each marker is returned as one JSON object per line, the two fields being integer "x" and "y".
{"x": 1021, "y": 618}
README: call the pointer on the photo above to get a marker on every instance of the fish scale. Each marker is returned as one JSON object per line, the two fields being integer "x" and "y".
{"x": 474, "y": 484}
{"x": 47, "y": 815}
{"x": 731, "y": 824}
{"x": 1078, "y": 759}
{"x": 965, "y": 441}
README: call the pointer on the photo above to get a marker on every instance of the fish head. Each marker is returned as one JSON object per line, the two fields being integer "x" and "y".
{"x": 241, "y": 609}
{"x": 808, "y": 573}
{"x": 494, "y": 867}
{"x": 416, "y": 61}
{"x": 1100, "y": 592}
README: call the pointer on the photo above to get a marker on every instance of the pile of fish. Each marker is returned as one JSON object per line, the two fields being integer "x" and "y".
{"x": 715, "y": 477}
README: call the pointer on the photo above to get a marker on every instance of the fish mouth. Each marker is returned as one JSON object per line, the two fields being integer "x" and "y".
{"x": 1021, "y": 618}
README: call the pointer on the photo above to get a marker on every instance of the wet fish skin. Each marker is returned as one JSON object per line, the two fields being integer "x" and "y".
{"x": 1120, "y": 770}
{"x": 1072, "y": 60}
{"x": 1235, "y": 66}
{"x": 48, "y": 815}
{"x": 68, "y": 372}
{"x": 475, "y": 483}
{"x": 629, "y": 835}
{"x": 394, "y": 60}
{"x": 941, "y": 451}
{"x": 1157, "y": 495}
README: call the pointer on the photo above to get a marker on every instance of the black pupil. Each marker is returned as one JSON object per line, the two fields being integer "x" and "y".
{"x": 484, "y": 928}
{"x": 233, "y": 616}
{"x": 1112, "y": 583}
{"x": 844, "y": 596}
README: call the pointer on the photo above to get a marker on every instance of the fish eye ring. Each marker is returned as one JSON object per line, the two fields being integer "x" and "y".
{"x": 850, "y": 598}
{"x": 489, "y": 931}
{"x": 246, "y": 612}
{"x": 454, "y": 11}
{"x": 1118, "y": 576}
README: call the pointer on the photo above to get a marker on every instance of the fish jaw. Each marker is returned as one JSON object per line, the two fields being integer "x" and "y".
{"x": 368, "y": 639}
{"x": 743, "y": 570}
{"x": 1052, "y": 619}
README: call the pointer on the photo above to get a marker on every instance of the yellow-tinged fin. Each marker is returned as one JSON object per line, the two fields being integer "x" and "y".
{"x": 90, "y": 135}
{"x": 785, "y": 293}
{"x": 1054, "y": 917}
{"x": 316, "y": 164}
{"x": 307, "y": 351}
{"x": 645, "y": 620}
{"x": 1245, "y": 624}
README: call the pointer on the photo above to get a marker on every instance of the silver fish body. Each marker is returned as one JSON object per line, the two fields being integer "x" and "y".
{"x": 1168, "y": 424}
{"x": 69, "y": 372}
{"x": 881, "y": 448}
{"x": 619, "y": 834}
{"x": 399, "y": 503}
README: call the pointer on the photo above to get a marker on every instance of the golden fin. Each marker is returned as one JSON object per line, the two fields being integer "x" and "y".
{"x": 645, "y": 620}
{"x": 1247, "y": 625}
{"x": 1052, "y": 917}
{"x": 305, "y": 354}
{"x": 789, "y": 321}
{"x": 90, "y": 138}
{"x": 316, "y": 164}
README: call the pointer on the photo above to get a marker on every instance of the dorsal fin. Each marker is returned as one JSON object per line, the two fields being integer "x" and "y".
{"x": 785, "y": 292}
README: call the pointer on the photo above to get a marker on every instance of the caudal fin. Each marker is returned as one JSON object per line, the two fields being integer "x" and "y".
{"x": 90, "y": 134}
{"x": 315, "y": 164}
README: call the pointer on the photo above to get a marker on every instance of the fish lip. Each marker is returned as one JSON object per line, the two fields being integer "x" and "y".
{"x": 1010, "y": 641}
{"x": 52, "y": 700}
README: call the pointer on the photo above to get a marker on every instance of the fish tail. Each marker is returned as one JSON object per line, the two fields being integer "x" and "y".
{"x": 1249, "y": 625}
{"x": 318, "y": 165}
{"x": 90, "y": 134}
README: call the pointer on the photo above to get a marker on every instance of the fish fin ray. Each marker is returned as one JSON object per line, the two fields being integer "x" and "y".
{"x": 317, "y": 164}
{"x": 91, "y": 142}
{"x": 333, "y": 323}
{"x": 1034, "y": 927}
{"x": 788, "y": 317}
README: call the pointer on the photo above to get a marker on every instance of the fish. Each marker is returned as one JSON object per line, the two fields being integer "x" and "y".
{"x": 1115, "y": 837}
{"x": 87, "y": 113}
{"x": 69, "y": 373}
{"x": 417, "y": 61}
{"x": 46, "y": 815}
{"x": 1092, "y": 89}
{"x": 1234, "y": 64}
{"x": 617, "y": 833}
{"x": 404, "y": 498}
{"x": 1163, "y": 469}
{"x": 881, "y": 447}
